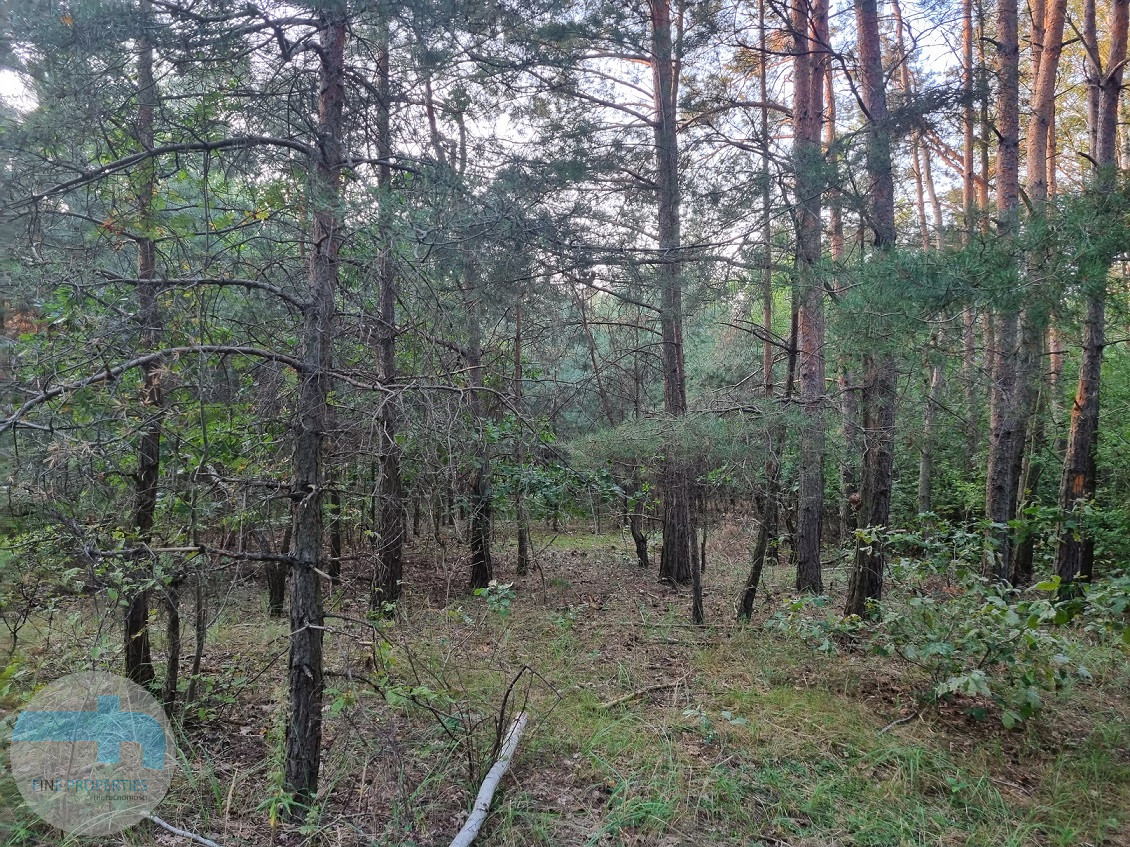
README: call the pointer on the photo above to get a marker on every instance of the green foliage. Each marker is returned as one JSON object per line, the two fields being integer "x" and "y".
{"x": 552, "y": 489}
{"x": 498, "y": 597}
{"x": 981, "y": 642}
{"x": 968, "y": 636}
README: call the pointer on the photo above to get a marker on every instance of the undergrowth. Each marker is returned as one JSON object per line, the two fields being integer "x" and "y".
{"x": 729, "y": 735}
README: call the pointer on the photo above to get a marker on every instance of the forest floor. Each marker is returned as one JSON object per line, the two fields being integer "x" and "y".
{"x": 723, "y": 736}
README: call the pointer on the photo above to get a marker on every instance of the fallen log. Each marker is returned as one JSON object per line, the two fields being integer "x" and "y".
{"x": 483, "y": 800}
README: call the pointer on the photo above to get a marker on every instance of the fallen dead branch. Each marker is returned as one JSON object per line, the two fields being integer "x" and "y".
{"x": 483, "y": 800}
{"x": 895, "y": 723}
{"x": 640, "y": 692}
{"x": 183, "y": 833}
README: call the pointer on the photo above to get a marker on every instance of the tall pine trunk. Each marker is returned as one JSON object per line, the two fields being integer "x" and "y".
{"x": 479, "y": 491}
{"x": 306, "y": 687}
{"x": 935, "y": 381}
{"x": 390, "y": 544}
{"x": 1075, "y": 553}
{"x": 1006, "y": 402}
{"x": 849, "y": 394}
{"x": 809, "y": 23}
{"x": 1024, "y": 554}
{"x": 138, "y": 657}
{"x": 677, "y": 557}
{"x": 521, "y": 514}
{"x": 879, "y": 365}
{"x": 172, "y": 644}
{"x": 766, "y": 542}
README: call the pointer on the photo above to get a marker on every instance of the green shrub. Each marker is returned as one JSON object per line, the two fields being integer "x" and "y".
{"x": 971, "y": 637}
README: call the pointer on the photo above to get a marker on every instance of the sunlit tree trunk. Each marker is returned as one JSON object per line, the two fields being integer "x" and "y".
{"x": 932, "y": 196}
{"x": 1047, "y": 42}
{"x": 1048, "y": 46}
{"x": 919, "y": 193}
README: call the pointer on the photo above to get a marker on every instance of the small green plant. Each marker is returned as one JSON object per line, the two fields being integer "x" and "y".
{"x": 705, "y": 724}
{"x": 565, "y": 620}
{"x": 278, "y": 802}
{"x": 811, "y": 618}
{"x": 498, "y": 597}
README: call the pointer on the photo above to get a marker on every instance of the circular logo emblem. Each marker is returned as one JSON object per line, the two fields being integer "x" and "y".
{"x": 92, "y": 753}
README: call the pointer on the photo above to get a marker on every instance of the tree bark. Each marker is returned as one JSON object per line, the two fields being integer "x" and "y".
{"x": 1056, "y": 356}
{"x": 306, "y": 687}
{"x": 333, "y": 562}
{"x": 809, "y": 23}
{"x": 1018, "y": 409}
{"x": 1048, "y": 46}
{"x": 479, "y": 529}
{"x": 968, "y": 120}
{"x": 766, "y": 203}
{"x": 969, "y": 379}
{"x": 521, "y": 515}
{"x": 879, "y": 365}
{"x": 390, "y": 543}
{"x": 849, "y": 394}
{"x": 985, "y": 137}
{"x": 276, "y": 573}
{"x": 173, "y": 644}
{"x": 767, "y": 533}
{"x": 200, "y": 625}
{"x": 1024, "y": 553}
{"x": 138, "y": 654}
{"x": 765, "y": 544}
{"x": 1006, "y": 401}
{"x": 932, "y": 196}
{"x": 677, "y": 557}
{"x": 639, "y": 538}
{"x": 1075, "y": 553}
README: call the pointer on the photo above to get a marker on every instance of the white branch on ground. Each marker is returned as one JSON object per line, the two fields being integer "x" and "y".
{"x": 486, "y": 791}
{"x": 183, "y": 833}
